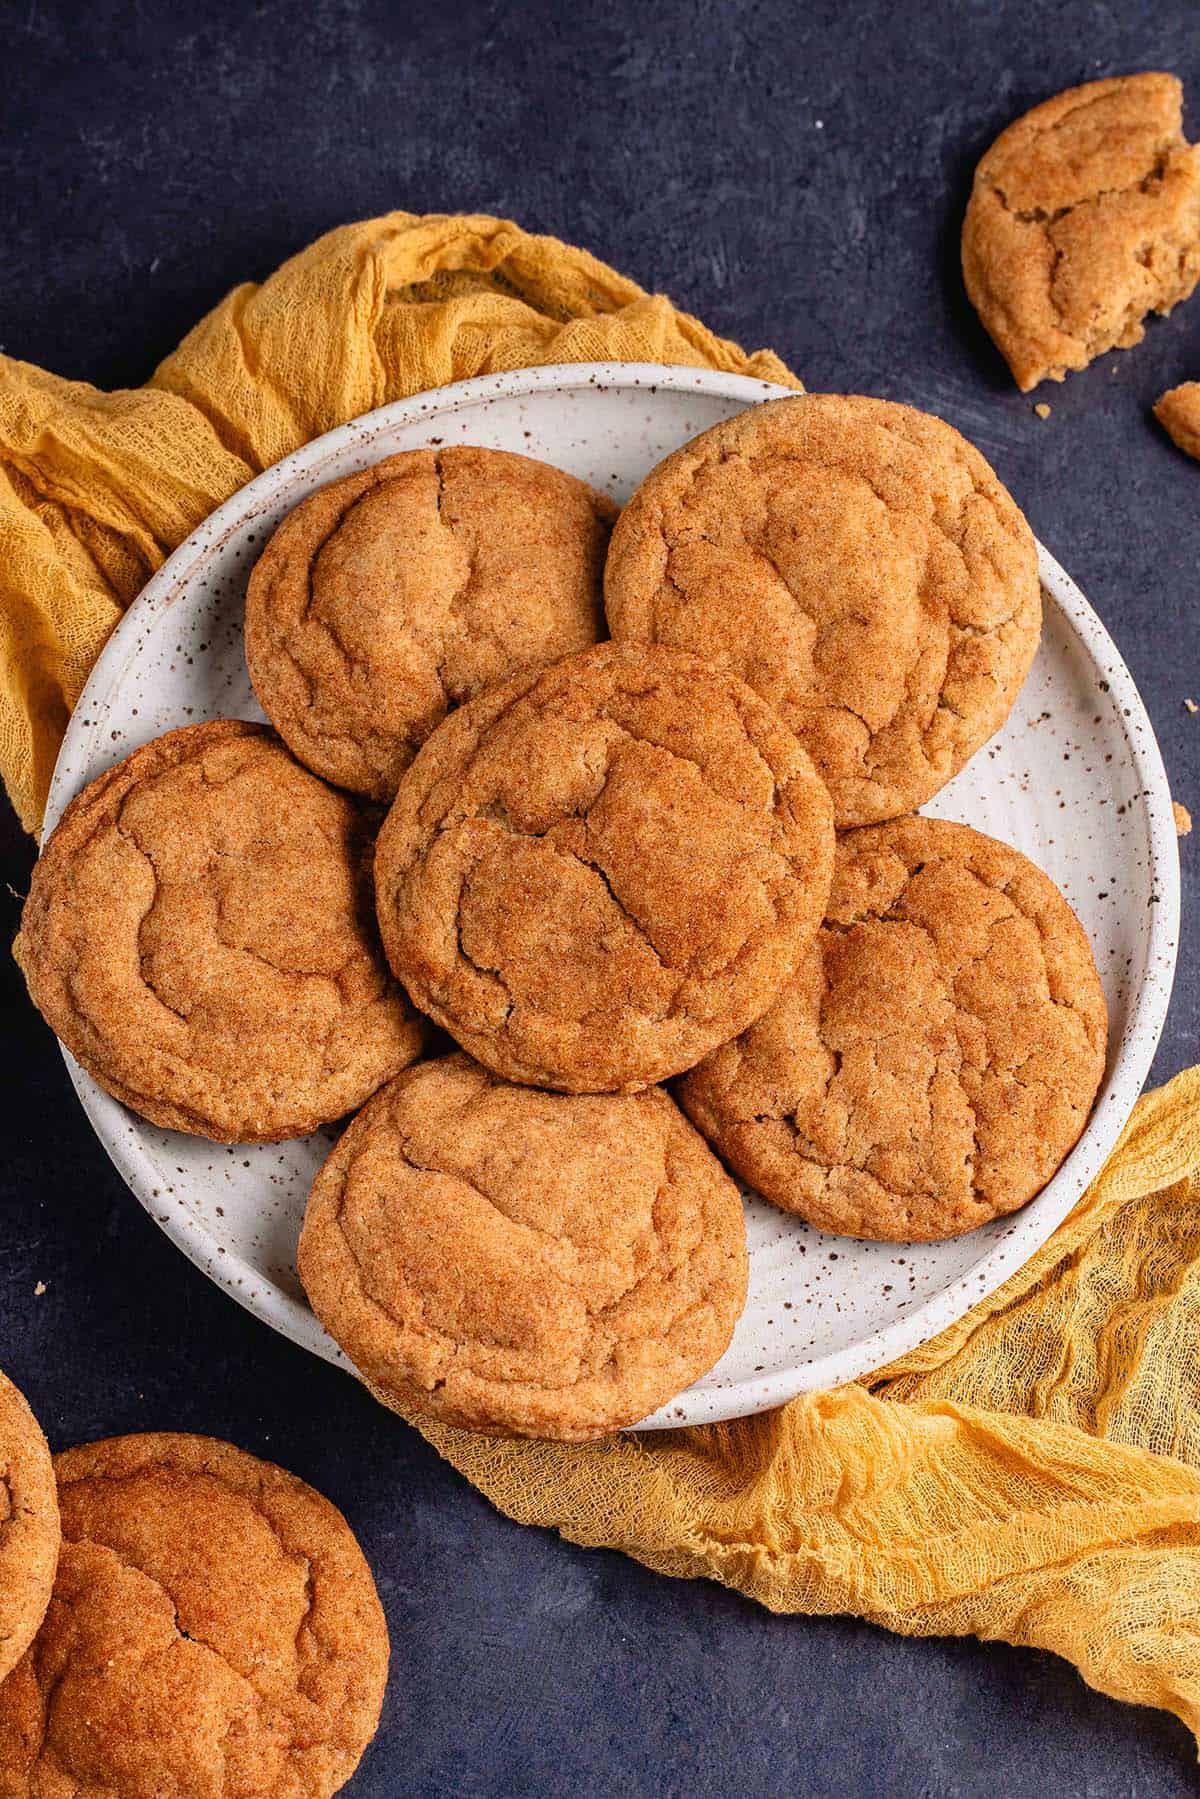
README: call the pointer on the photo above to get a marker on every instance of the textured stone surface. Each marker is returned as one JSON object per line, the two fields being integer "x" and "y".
{"x": 148, "y": 167}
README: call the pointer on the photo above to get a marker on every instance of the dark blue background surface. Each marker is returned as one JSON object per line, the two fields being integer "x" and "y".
{"x": 796, "y": 176}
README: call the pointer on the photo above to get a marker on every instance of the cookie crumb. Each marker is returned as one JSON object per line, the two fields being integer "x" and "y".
{"x": 1178, "y": 412}
{"x": 1183, "y": 819}
{"x": 39, "y": 1289}
{"x": 1042, "y": 410}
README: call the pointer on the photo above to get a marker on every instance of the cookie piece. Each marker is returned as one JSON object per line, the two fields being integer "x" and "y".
{"x": 1084, "y": 217}
{"x": 1178, "y": 412}
{"x": 199, "y": 934}
{"x": 936, "y": 1056}
{"x": 393, "y": 595}
{"x": 540, "y": 1264}
{"x": 29, "y": 1530}
{"x": 593, "y": 875}
{"x": 214, "y": 1631}
{"x": 859, "y": 564}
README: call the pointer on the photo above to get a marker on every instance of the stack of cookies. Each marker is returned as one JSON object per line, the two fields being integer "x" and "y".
{"x": 687, "y": 852}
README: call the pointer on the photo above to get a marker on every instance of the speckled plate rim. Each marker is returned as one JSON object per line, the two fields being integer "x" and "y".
{"x": 1130, "y": 1061}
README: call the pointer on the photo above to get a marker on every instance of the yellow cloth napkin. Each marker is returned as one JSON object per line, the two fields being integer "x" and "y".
{"x": 1033, "y": 1474}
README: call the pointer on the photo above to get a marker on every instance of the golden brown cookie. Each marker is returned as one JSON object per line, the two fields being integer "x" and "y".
{"x": 859, "y": 564}
{"x": 593, "y": 875}
{"x": 29, "y": 1531}
{"x": 214, "y": 1634}
{"x": 1178, "y": 412}
{"x": 199, "y": 934}
{"x": 1083, "y": 218}
{"x": 389, "y": 597}
{"x": 541, "y": 1264}
{"x": 937, "y": 1054}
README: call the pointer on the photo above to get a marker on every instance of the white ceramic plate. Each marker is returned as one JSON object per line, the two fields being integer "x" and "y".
{"x": 1074, "y": 779}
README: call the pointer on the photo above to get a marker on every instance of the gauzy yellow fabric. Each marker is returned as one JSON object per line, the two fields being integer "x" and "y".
{"x": 1031, "y": 1475}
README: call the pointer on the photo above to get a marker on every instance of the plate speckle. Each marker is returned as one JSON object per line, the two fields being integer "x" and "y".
{"x": 1074, "y": 780}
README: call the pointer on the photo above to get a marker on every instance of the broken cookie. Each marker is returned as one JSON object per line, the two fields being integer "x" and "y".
{"x": 1084, "y": 217}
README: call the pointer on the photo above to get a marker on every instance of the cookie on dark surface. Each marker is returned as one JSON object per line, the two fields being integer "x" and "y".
{"x": 515, "y": 1261}
{"x": 860, "y": 566}
{"x": 199, "y": 933}
{"x": 391, "y": 596}
{"x": 1178, "y": 412}
{"x": 214, "y": 1633}
{"x": 1084, "y": 217}
{"x": 593, "y": 875}
{"x": 29, "y": 1530}
{"x": 936, "y": 1056}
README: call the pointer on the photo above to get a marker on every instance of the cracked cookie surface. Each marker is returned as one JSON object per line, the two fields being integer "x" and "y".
{"x": 29, "y": 1530}
{"x": 391, "y": 596}
{"x": 1084, "y": 217}
{"x": 860, "y": 566}
{"x": 1178, "y": 412}
{"x": 214, "y": 1633}
{"x": 199, "y": 933}
{"x": 937, "y": 1054}
{"x": 592, "y": 875}
{"x": 541, "y": 1264}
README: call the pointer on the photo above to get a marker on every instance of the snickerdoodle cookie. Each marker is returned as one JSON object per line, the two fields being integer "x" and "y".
{"x": 199, "y": 934}
{"x": 1178, "y": 412}
{"x": 935, "y": 1057}
{"x": 29, "y": 1531}
{"x": 860, "y": 565}
{"x": 389, "y": 597}
{"x": 593, "y": 875}
{"x": 214, "y": 1634}
{"x": 543, "y": 1264}
{"x": 1083, "y": 218}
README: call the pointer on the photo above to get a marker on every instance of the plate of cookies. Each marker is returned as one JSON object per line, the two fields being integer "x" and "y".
{"x": 608, "y": 896}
